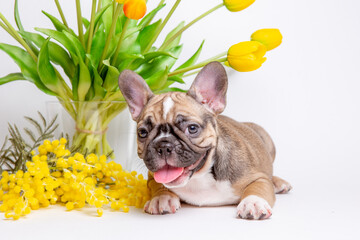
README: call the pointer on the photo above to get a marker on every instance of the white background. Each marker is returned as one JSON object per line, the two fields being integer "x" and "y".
{"x": 306, "y": 95}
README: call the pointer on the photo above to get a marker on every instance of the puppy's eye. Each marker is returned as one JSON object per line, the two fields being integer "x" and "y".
{"x": 142, "y": 133}
{"x": 193, "y": 128}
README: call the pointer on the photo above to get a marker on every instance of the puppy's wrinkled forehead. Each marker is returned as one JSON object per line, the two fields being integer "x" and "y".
{"x": 165, "y": 108}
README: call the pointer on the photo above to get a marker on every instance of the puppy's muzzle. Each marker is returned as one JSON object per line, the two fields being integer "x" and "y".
{"x": 164, "y": 148}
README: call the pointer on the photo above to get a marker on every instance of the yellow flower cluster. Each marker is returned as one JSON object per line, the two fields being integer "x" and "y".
{"x": 74, "y": 180}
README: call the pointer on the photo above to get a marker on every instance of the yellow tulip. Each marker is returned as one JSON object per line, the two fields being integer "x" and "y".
{"x": 270, "y": 37}
{"x": 121, "y": 1}
{"x": 237, "y": 5}
{"x": 134, "y": 9}
{"x": 246, "y": 56}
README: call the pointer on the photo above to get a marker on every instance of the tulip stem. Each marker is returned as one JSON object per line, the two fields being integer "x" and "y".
{"x": 122, "y": 36}
{"x": 161, "y": 27}
{"x": 97, "y": 10}
{"x": 199, "y": 65}
{"x": 17, "y": 37}
{"x": 98, "y": 6}
{"x": 61, "y": 13}
{"x": 80, "y": 23}
{"x": 215, "y": 58}
{"x": 190, "y": 74}
{"x": 7, "y": 30}
{"x": 165, "y": 44}
{"x": 111, "y": 32}
{"x": 91, "y": 28}
{"x": 149, "y": 20}
{"x": 114, "y": 7}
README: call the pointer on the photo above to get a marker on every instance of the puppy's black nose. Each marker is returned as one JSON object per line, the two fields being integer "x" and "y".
{"x": 164, "y": 148}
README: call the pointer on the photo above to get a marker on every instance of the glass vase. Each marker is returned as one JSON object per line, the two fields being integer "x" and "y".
{"x": 100, "y": 127}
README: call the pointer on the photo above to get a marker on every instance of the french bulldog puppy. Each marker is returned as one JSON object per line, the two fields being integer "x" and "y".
{"x": 198, "y": 156}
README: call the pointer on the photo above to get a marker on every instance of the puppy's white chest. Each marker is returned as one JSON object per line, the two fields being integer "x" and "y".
{"x": 205, "y": 191}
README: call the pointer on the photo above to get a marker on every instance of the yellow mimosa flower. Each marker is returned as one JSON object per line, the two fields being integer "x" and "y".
{"x": 270, "y": 37}
{"x": 246, "y": 56}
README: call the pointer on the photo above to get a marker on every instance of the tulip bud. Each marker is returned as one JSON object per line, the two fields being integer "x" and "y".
{"x": 270, "y": 37}
{"x": 134, "y": 9}
{"x": 237, "y": 5}
{"x": 246, "y": 56}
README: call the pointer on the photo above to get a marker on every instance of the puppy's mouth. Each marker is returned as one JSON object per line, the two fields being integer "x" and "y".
{"x": 173, "y": 176}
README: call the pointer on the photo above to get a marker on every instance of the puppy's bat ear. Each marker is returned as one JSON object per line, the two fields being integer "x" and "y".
{"x": 135, "y": 91}
{"x": 210, "y": 86}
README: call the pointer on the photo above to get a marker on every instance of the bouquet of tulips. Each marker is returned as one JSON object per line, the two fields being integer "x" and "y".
{"x": 119, "y": 35}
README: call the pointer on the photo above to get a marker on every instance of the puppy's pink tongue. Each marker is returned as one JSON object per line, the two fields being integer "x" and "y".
{"x": 167, "y": 174}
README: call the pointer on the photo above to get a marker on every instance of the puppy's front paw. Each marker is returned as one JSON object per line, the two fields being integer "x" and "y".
{"x": 254, "y": 207}
{"x": 162, "y": 204}
{"x": 281, "y": 186}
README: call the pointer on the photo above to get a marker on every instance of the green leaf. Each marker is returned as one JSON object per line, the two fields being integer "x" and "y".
{"x": 80, "y": 51}
{"x": 96, "y": 21}
{"x": 147, "y": 19}
{"x": 129, "y": 46}
{"x": 192, "y": 60}
{"x": 165, "y": 90}
{"x": 12, "y": 77}
{"x": 59, "y": 26}
{"x": 23, "y": 60}
{"x": 17, "y": 16}
{"x": 86, "y": 22}
{"x": 147, "y": 34}
{"x": 105, "y": 2}
{"x": 21, "y": 28}
{"x": 100, "y": 13}
{"x": 159, "y": 64}
{"x": 112, "y": 76}
{"x": 151, "y": 55}
{"x": 158, "y": 80}
{"x": 90, "y": 94}
{"x": 106, "y": 18}
{"x": 176, "y": 79}
{"x": 99, "y": 91}
{"x": 172, "y": 33}
{"x": 61, "y": 38}
{"x": 57, "y": 54}
{"x": 120, "y": 24}
{"x": 97, "y": 46}
{"x": 132, "y": 24}
{"x": 46, "y": 70}
{"x": 36, "y": 38}
{"x": 84, "y": 81}
{"x": 75, "y": 83}
{"x": 27, "y": 65}
{"x": 148, "y": 57}
{"x": 112, "y": 47}
{"x": 124, "y": 59}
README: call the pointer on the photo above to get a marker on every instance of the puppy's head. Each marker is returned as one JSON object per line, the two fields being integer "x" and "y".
{"x": 177, "y": 131}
